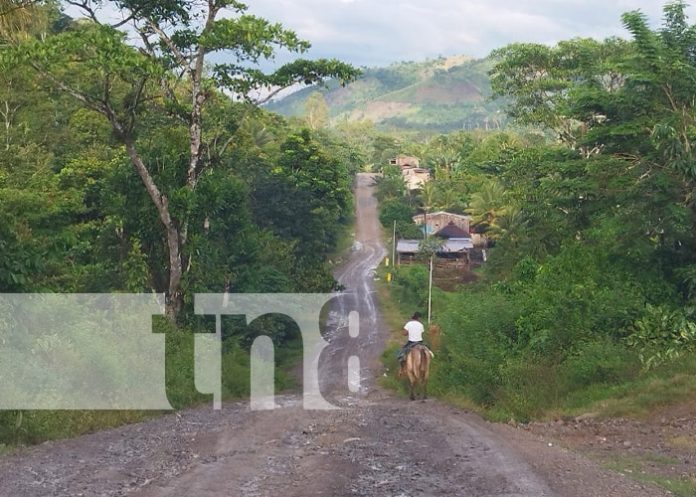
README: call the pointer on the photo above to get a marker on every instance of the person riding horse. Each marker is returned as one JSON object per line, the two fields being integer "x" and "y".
{"x": 414, "y": 330}
{"x": 415, "y": 358}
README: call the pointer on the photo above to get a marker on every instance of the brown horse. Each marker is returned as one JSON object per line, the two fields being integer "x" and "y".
{"x": 417, "y": 368}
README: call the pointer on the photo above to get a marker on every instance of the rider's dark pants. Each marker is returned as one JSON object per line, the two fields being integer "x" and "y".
{"x": 404, "y": 350}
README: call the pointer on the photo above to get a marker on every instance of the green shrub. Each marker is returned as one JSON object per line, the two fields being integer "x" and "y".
{"x": 530, "y": 387}
{"x": 662, "y": 335}
{"x": 399, "y": 211}
{"x": 476, "y": 339}
{"x": 599, "y": 362}
{"x": 411, "y": 286}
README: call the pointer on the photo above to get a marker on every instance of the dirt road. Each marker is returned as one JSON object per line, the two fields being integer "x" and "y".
{"x": 376, "y": 445}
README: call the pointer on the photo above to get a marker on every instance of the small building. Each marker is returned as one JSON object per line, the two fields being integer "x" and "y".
{"x": 452, "y": 231}
{"x": 405, "y": 161}
{"x": 415, "y": 177}
{"x": 436, "y": 221}
{"x": 455, "y": 250}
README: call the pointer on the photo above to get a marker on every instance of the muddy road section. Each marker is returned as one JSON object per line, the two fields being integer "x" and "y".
{"x": 375, "y": 445}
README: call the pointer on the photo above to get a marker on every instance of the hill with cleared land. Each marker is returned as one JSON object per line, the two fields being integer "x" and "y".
{"x": 441, "y": 95}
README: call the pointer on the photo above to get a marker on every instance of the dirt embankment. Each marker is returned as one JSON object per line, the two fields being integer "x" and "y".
{"x": 660, "y": 447}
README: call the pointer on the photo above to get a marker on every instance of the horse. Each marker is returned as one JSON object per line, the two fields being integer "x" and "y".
{"x": 417, "y": 368}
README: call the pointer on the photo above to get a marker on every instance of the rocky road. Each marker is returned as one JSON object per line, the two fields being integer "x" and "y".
{"x": 375, "y": 445}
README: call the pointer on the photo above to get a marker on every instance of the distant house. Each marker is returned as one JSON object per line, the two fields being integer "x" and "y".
{"x": 404, "y": 161}
{"x": 435, "y": 221}
{"x": 414, "y": 175}
{"x": 454, "y": 249}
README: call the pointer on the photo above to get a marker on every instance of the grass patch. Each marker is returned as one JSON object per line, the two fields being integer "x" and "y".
{"x": 671, "y": 384}
{"x": 638, "y": 468}
{"x": 683, "y": 442}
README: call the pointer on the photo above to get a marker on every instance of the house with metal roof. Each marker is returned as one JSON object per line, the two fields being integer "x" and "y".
{"x": 435, "y": 221}
{"x": 454, "y": 249}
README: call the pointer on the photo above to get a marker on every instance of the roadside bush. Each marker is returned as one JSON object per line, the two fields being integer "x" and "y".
{"x": 411, "y": 285}
{"x": 599, "y": 362}
{"x": 662, "y": 335}
{"x": 397, "y": 210}
{"x": 527, "y": 345}
{"x": 477, "y": 329}
{"x": 576, "y": 297}
{"x": 530, "y": 385}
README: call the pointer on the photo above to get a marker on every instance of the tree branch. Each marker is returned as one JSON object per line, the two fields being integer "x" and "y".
{"x": 168, "y": 41}
{"x": 276, "y": 92}
{"x": 88, "y": 101}
{"x": 137, "y": 98}
{"x": 84, "y": 5}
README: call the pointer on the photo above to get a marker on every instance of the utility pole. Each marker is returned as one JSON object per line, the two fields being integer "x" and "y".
{"x": 394, "y": 246}
{"x": 430, "y": 290}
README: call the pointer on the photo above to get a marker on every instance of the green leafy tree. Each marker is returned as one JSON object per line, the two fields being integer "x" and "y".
{"x": 489, "y": 206}
{"x": 165, "y": 77}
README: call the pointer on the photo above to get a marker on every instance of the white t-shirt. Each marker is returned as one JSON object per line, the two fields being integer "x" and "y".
{"x": 415, "y": 331}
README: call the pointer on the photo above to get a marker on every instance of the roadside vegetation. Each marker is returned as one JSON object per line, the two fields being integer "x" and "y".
{"x": 111, "y": 180}
{"x": 587, "y": 301}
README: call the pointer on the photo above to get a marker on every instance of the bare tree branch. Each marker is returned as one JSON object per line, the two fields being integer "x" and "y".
{"x": 181, "y": 59}
{"x": 276, "y": 92}
{"x": 84, "y": 6}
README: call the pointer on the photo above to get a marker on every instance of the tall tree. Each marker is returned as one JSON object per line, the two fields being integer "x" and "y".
{"x": 166, "y": 77}
{"x": 316, "y": 111}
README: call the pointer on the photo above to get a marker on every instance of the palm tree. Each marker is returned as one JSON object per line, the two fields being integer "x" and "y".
{"x": 259, "y": 133}
{"x": 489, "y": 205}
{"x": 427, "y": 202}
{"x": 444, "y": 164}
{"x": 15, "y": 17}
{"x": 448, "y": 199}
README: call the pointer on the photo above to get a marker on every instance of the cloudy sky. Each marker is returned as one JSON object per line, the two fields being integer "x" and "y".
{"x": 377, "y": 32}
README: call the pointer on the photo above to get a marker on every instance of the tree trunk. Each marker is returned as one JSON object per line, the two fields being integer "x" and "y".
{"x": 174, "y": 298}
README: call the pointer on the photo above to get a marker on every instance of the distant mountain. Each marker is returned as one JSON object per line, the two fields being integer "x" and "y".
{"x": 443, "y": 94}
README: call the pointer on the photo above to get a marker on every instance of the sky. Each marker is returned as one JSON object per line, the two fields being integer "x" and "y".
{"x": 378, "y": 32}
{"x": 369, "y": 33}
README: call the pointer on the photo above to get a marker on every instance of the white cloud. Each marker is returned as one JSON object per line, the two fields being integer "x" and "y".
{"x": 375, "y": 32}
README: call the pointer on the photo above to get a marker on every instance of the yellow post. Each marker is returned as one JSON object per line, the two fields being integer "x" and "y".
{"x": 386, "y": 262}
{"x": 389, "y": 277}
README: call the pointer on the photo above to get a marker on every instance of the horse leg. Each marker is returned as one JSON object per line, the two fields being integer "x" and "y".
{"x": 425, "y": 388}
{"x": 412, "y": 395}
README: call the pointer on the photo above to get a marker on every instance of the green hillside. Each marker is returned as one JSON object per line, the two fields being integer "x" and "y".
{"x": 443, "y": 94}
